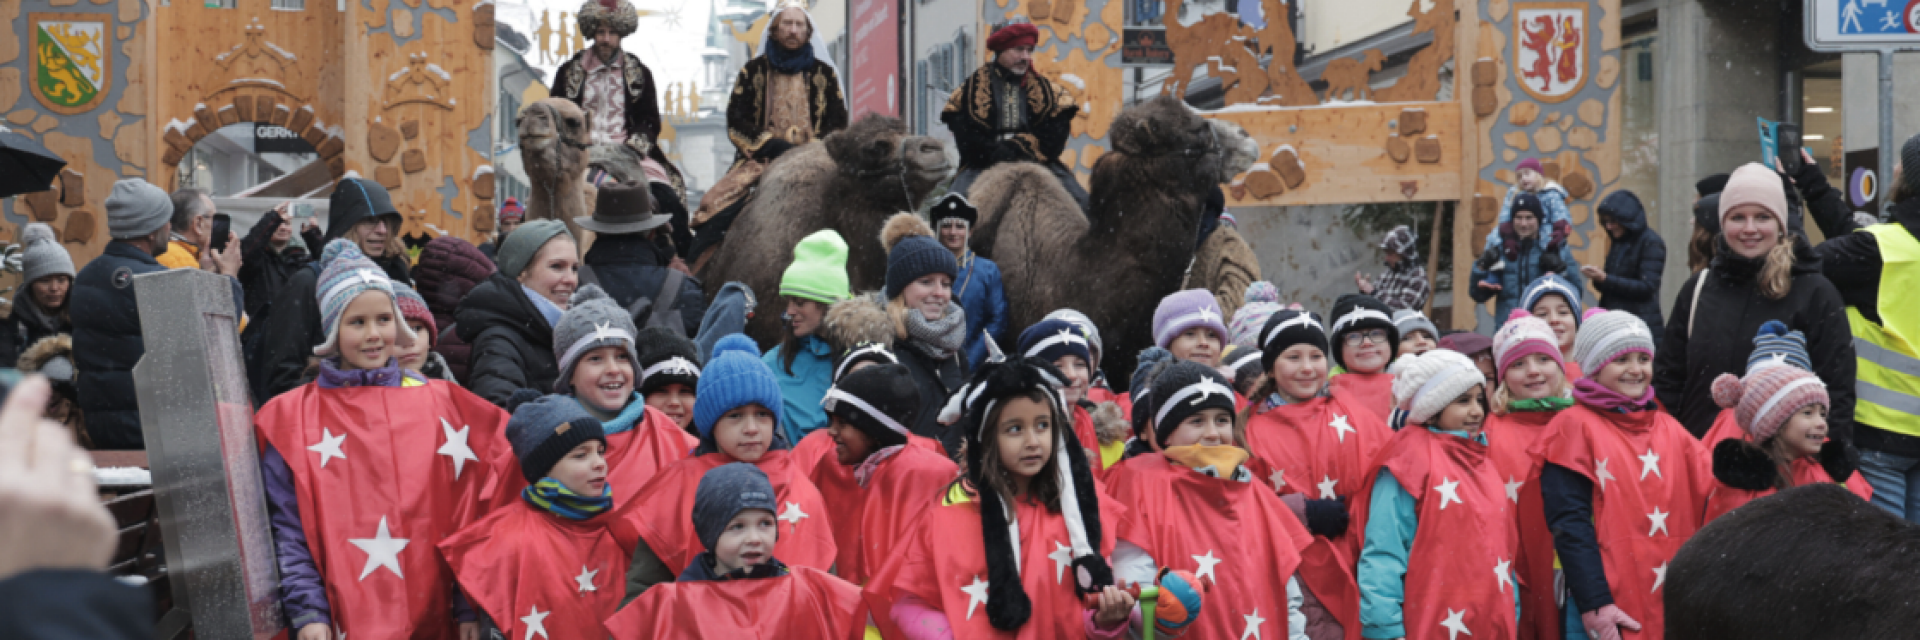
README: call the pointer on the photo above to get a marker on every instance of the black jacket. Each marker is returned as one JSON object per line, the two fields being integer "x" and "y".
{"x": 1853, "y": 263}
{"x": 512, "y": 342}
{"x": 1731, "y": 312}
{"x": 72, "y": 604}
{"x": 19, "y": 330}
{"x": 630, "y": 267}
{"x": 936, "y": 380}
{"x": 264, "y": 271}
{"x": 1634, "y": 263}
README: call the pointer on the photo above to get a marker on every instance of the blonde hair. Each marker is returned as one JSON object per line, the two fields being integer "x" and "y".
{"x": 897, "y": 311}
{"x": 1776, "y": 275}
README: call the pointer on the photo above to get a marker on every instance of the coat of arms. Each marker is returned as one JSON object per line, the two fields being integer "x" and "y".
{"x": 1550, "y": 59}
{"x": 72, "y": 60}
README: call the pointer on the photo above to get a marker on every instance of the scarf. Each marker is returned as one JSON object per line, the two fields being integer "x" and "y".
{"x": 941, "y": 338}
{"x": 28, "y": 310}
{"x": 1594, "y": 395}
{"x": 1209, "y": 460}
{"x": 1549, "y": 403}
{"x": 557, "y": 499}
{"x": 612, "y": 422}
{"x": 334, "y": 377}
{"x": 791, "y": 61}
{"x": 546, "y": 307}
{"x": 867, "y": 466}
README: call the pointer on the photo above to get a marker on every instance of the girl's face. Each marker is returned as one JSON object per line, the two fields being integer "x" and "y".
{"x": 1198, "y": 344}
{"x": 1525, "y": 224}
{"x": 554, "y": 271}
{"x": 1628, "y": 374}
{"x": 1559, "y": 315}
{"x": 1531, "y": 180}
{"x": 603, "y": 377}
{"x": 1299, "y": 372}
{"x": 1208, "y": 427}
{"x": 850, "y": 444}
{"x": 804, "y": 316}
{"x": 1077, "y": 373}
{"x": 51, "y": 292}
{"x": 1024, "y": 437}
{"x": 1465, "y": 413}
{"x": 1751, "y": 230}
{"x": 1805, "y": 431}
{"x": 368, "y": 328}
{"x": 929, "y": 294}
{"x": 675, "y": 400}
{"x": 1534, "y": 377}
{"x": 1417, "y": 341}
{"x": 414, "y": 357}
{"x": 1366, "y": 350}
{"x": 746, "y": 432}
{"x": 584, "y": 469}
{"x": 747, "y": 541}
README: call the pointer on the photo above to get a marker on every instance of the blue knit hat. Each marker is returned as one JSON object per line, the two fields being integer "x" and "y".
{"x": 1774, "y": 344}
{"x": 723, "y": 493}
{"x": 345, "y": 277}
{"x": 542, "y": 431}
{"x": 734, "y": 377}
{"x": 1551, "y": 284}
{"x": 1050, "y": 340}
{"x": 912, "y": 252}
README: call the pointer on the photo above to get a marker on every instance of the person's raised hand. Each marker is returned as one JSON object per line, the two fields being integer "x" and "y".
{"x": 227, "y": 261}
{"x": 1360, "y": 280}
{"x": 1593, "y": 273}
{"x": 50, "y": 511}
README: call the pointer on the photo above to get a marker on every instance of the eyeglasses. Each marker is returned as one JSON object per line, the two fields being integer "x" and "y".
{"x": 1377, "y": 336}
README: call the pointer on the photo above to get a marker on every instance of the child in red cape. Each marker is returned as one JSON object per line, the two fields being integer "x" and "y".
{"x": 738, "y": 413}
{"x": 517, "y": 564}
{"x": 1774, "y": 345}
{"x": 1065, "y": 345}
{"x": 1532, "y": 390}
{"x": 893, "y": 481}
{"x": 366, "y": 468}
{"x": 666, "y": 373}
{"x": 1364, "y": 341}
{"x": 1553, "y": 299}
{"x": 1623, "y": 484}
{"x": 1016, "y": 546}
{"x": 1784, "y": 411}
{"x": 1436, "y": 518}
{"x": 736, "y": 588}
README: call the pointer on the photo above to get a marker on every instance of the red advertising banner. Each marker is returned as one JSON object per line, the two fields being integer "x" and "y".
{"x": 874, "y": 55}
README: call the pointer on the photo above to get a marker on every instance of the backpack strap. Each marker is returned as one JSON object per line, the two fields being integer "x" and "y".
{"x": 664, "y": 302}
{"x": 1693, "y": 308}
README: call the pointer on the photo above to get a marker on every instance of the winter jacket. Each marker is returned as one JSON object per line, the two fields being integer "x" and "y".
{"x": 1731, "y": 312}
{"x": 1634, "y": 263}
{"x": 512, "y": 342}
{"x": 74, "y": 604}
{"x": 264, "y": 271}
{"x": 1852, "y": 262}
{"x": 448, "y": 269}
{"x": 803, "y": 388}
{"x": 22, "y": 328}
{"x": 180, "y": 255}
{"x": 1518, "y": 273}
{"x": 630, "y": 267}
{"x": 727, "y": 315}
{"x": 1553, "y": 199}
{"x": 936, "y": 380}
{"x": 978, "y": 291}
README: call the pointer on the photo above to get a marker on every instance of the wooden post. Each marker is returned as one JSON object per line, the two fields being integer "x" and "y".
{"x": 1433, "y": 253}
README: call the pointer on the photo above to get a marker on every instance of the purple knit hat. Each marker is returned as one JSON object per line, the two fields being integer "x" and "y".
{"x": 1185, "y": 310}
{"x": 1766, "y": 398}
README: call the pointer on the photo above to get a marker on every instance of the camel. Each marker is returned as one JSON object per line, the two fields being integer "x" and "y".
{"x": 1133, "y": 245}
{"x": 851, "y": 182}
{"x": 1225, "y": 265}
{"x": 554, "y": 135}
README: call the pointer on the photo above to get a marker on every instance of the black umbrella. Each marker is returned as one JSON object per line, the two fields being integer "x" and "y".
{"x": 25, "y": 166}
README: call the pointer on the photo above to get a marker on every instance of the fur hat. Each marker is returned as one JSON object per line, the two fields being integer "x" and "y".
{"x": 819, "y": 269}
{"x": 1523, "y": 335}
{"x": 1290, "y": 327}
{"x": 1359, "y": 312}
{"x": 1260, "y": 302}
{"x": 1754, "y": 183}
{"x": 1552, "y": 284}
{"x": 542, "y": 431}
{"x": 347, "y": 276}
{"x": 1407, "y": 321}
{"x": 857, "y": 320}
{"x": 880, "y": 401}
{"x": 912, "y": 252}
{"x": 1767, "y": 398}
{"x": 869, "y": 352}
{"x": 1400, "y": 241}
{"x": 1425, "y": 383}
{"x": 735, "y": 377}
{"x": 413, "y": 308}
{"x": 592, "y": 320}
{"x": 1016, "y": 34}
{"x": 43, "y": 256}
{"x": 1183, "y": 310}
{"x": 618, "y": 14}
{"x": 1092, "y": 332}
{"x": 1608, "y": 334}
{"x": 723, "y": 493}
{"x": 1774, "y": 345}
{"x": 1051, "y": 340}
{"x": 1186, "y": 388}
{"x": 1008, "y": 606}
{"x": 664, "y": 358}
{"x": 954, "y": 205}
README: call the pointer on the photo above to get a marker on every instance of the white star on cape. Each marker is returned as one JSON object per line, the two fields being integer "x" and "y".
{"x": 1062, "y": 557}
{"x": 1659, "y": 577}
{"x": 1253, "y": 625}
{"x": 1513, "y": 489}
{"x": 1501, "y": 573}
{"x": 1341, "y": 428}
{"x": 1449, "y": 490}
{"x": 1279, "y": 479}
{"x": 1650, "y": 462}
{"x": 585, "y": 579}
{"x": 1603, "y": 474}
{"x": 329, "y": 446}
{"x": 536, "y": 622}
{"x": 792, "y": 515}
{"x": 976, "y": 595}
{"x": 383, "y": 550}
{"x": 1454, "y": 625}
{"x": 456, "y": 447}
{"x": 1659, "y": 522}
{"x": 1207, "y": 562}
{"x": 1326, "y": 487}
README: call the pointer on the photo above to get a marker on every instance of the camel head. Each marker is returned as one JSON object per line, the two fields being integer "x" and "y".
{"x": 877, "y": 152}
{"x": 1242, "y": 149}
{"x": 554, "y": 136}
{"x": 1165, "y": 128}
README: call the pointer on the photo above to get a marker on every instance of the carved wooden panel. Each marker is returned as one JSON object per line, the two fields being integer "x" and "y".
{"x": 80, "y": 227}
{"x": 382, "y": 142}
{"x": 413, "y": 161}
{"x": 73, "y": 188}
{"x": 388, "y": 177}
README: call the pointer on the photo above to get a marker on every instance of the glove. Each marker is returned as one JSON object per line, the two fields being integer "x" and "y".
{"x": 771, "y": 149}
{"x": 1327, "y": 517}
{"x": 1009, "y": 151}
{"x": 1741, "y": 465}
{"x": 1550, "y": 261}
{"x": 1558, "y": 238}
{"x": 1838, "y": 460}
{"x": 1604, "y": 623}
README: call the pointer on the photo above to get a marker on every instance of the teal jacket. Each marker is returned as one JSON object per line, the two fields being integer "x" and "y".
{"x": 803, "y": 389}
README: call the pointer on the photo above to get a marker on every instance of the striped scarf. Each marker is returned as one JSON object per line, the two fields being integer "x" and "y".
{"x": 556, "y": 499}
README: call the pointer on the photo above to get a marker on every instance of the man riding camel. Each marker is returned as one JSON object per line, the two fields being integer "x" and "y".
{"x": 1006, "y": 113}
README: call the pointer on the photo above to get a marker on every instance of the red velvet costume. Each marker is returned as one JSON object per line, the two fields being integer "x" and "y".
{"x": 659, "y": 513}
{"x": 518, "y": 565}
{"x": 803, "y": 605}
{"x": 1511, "y": 438}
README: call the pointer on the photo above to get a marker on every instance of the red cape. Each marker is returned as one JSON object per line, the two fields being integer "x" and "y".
{"x": 806, "y": 604}
{"x": 391, "y": 478}
{"x": 869, "y": 522}
{"x": 1805, "y": 471}
{"x": 633, "y": 457}
{"x": 1512, "y": 437}
{"x": 1573, "y": 370}
{"x": 1635, "y": 545}
{"x": 1461, "y": 563}
{"x": 662, "y": 514}
{"x": 1371, "y": 391}
{"x": 517, "y": 564}
{"x": 946, "y": 554}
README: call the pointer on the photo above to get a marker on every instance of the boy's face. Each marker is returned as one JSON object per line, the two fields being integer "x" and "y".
{"x": 584, "y": 469}
{"x": 747, "y": 541}
{"x": 1198, "y": 344}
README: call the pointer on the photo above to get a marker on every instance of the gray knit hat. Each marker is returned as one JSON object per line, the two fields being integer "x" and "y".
{"x": 44, "y": 255}
{"x": 592, "y": 321}
{"x": 1409, "y": 321}
{"x": 136, "y": 209}
{"x": 1606, "y": 335}
{"x": 542, "y": 431}
{"x": 723, "y": 493}
{"x": 518, "y": 249}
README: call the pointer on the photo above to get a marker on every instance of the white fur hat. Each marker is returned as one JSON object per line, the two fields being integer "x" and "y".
{"x": 1423, "y": 384}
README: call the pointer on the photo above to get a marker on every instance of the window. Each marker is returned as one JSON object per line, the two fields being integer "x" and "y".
{"x": 1145, "y": 13}
{"x": 289, "y": 5}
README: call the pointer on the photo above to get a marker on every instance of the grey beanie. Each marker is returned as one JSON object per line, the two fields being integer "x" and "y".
{"x": 44, "y": 255}
{"x": 1409, "y": 321}
{"x": 518, "y": 249}
{"x": 724, "y": 492}
{"x": 136, "y": 209}
{"x": 542, "y": 431}
{"x": 591, "y": 321}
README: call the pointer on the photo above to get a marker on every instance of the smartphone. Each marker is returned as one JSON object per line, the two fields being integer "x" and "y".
{"x": 1787, "y": 148}
{"x": 222, "y": 227}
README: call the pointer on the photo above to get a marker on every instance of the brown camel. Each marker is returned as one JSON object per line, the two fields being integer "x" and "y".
{"x": 850, "y": 182}
{"x": 1133, "y": 245}
{"x": 554, "y": 135}
{"x": 1225, "y": 264}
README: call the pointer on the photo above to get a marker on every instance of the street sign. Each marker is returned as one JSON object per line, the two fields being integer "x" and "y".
{"x": 1867, "y": 26}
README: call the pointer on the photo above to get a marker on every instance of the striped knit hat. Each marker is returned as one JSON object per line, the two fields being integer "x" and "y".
{"x": 1262, "y": 301}
{"x": 1774, "y": 345}
{"x": 414, "y": 308}
{"x": 1523, "y": 335}
{"x": 1552, "y": 284}
{"x": 1051, "y": 340}
{"x": 1766, "y": 398}
{"x": 1608, "y": 334}
{"x": 348, "y": 275}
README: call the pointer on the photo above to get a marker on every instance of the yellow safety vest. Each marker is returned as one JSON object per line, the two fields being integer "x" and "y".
{"x": 1887, "y": 384}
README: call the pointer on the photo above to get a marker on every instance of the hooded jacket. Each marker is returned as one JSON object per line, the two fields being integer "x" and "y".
{"x": 631, "y": 267}
{"x": 449, "y": 268}
{"x": 512, "y": 342}
{"x": 1634, "y": 263}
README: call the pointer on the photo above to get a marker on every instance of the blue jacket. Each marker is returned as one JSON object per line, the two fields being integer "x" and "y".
{"x": 978, "y": 291}
{"x": 1392, "y": 522}
{"x": 1519, "y": 273}
{"x": 802, "y": 390}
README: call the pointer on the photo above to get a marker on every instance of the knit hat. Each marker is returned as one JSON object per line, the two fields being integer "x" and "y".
{"x": 723, "y": 493}
{"x": 880, "y": 401}
{"x": 1050, "y": 340}
{"x": 954, "y": 205}
{"x": 1360, "y": 312}
{"x": 1711, "y": 185}
{"x": 1008, "y": 606}
{"x": 1425, "y": 383}
{"x": 1400, "y": 242}
{"x": 1018, "y": 34}
{"x": 1244, "y": 363}
{"x": 1466, "y": 343}
{"x": 1183, "y": 310}
{"x": 1552, "y": 284}
{"x": 734, "y": 377}
{"x": 1774, "y": 344}
{"x": 1706, "y": 213}
{"x": 511, "y": 211}
{"x": 1260, "y": 302}
{"x": 1290, "y": 327}
{"x": 413, "y": 308}
{"x": 44, "y": 255}
{"x": 1408, "y": 321}
{"x": 870, "y": 352}
{"x": 592, "y": 320}
{"x": 1754, "y": 183}
{"x": 1524, "y": 201}
{"x": 1523, "y": 335}
{"x": 1607, "y": 335}
{"x": 819, "y": 269}
{"x": 1764, "y": 400}
{"x": 1186, "y": 388}
{"x": 912, "y": 252}
{"x": 664, "y": 358}
{"x": 543, "y": 430}
{"x": 1530, "y": 163}
{"x": 1086, "y": 324}
{"x": 345, "y": 277}
{"x": 520, "y": 246}
{"x": 136, "y": 209}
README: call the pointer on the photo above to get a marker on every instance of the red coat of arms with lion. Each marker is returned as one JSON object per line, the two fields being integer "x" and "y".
{"x": 1551, "y": 56}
